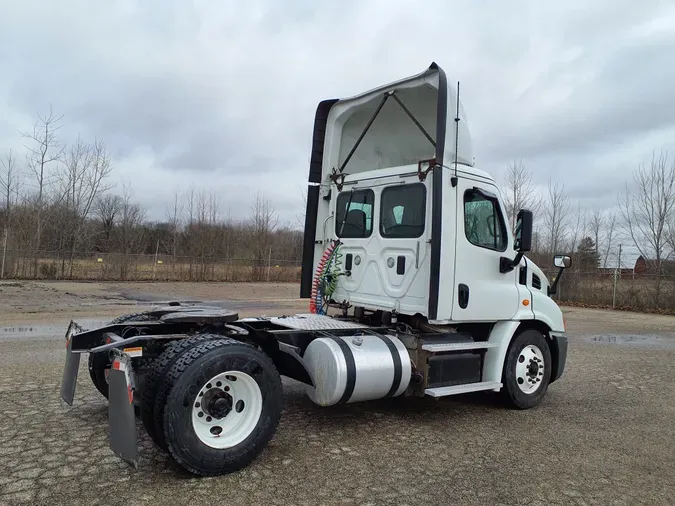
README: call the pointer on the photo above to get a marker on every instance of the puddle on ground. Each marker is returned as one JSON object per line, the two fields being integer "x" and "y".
{"x": 59, "y": 331}
{"x": 45, "y": 331}
{"x": 646, "y": 340}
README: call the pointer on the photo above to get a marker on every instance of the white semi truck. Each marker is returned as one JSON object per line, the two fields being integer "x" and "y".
{"x": 416, "y": 287}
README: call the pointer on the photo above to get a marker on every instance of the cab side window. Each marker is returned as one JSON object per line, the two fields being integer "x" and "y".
{"x": 483, "y": 220}
{"x": 357, "y": 221}
{"x": 402, "y": 211}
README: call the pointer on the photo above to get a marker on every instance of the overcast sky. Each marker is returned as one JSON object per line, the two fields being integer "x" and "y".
{"x": 221, "y": 94}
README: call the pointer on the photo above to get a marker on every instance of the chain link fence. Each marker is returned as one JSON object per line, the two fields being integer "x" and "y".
{"x": 622, "y": 289}
{"x": 617, "y": 288}
{"x": 50, "y": 265}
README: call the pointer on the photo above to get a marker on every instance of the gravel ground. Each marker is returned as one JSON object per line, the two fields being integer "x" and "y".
{"x": 605, "y": 433}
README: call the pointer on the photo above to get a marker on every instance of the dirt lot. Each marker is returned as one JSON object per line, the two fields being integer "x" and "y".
{"x": 605, "y": 433}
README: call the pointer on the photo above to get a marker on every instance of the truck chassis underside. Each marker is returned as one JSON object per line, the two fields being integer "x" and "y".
{"x": 418, "y": 359}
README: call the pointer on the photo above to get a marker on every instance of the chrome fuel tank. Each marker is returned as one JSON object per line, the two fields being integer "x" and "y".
{"x": 356, "y": 368}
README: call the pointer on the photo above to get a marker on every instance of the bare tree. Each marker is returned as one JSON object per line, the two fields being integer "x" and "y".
{"x": 43, "y": 151}
{"x": 519, "y": 191}
{"x": 130, "y": 234}
{"x": 647, "y": 211}
{"x": 106, "y": 209}
{"x": 9, "y": 182}
{"x": 86, "y": 169}
{"x": 596, "y": 222}
{"x": 263, "y": 222}
{"x": 579, "y": 227}
{"x": 609, "y": 238}
{"x": 300, "y": 215}
{"x": 556, "y": 215}
{"x": 173, "y": 213}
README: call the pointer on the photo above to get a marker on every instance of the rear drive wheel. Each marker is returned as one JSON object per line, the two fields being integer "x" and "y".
{"x": 223, "y": 407}
{"x": 527, "y": 370}
{"x": 100, "y": 364}
{"x": 99, "y": 368}
{"x": 154, "y": 390}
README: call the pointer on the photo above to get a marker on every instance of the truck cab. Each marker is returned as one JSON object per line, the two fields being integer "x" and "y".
{"x": 420, "y": 230}
{"x": 402, "y": 228}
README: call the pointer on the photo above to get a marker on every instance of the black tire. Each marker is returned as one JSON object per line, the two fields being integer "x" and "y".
{"x": 512, "y": 393}
{"x": 188, "y": 375}
{"x": 150, "y": 393}
{"x": 99, "y": 363}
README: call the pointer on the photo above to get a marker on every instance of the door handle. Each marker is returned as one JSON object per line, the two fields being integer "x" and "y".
{"x": 463, "y": 295}
{"x": 400, "y": 265}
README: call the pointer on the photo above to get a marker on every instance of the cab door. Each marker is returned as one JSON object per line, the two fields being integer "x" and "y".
{"x": 404, "y": 246}
{"x": 482, "y": 292}
{"x": 385, "y": 245}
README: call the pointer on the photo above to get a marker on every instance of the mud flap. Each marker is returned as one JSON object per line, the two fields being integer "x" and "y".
{"x": 121, "y": 416}
{"x": 71, "y": 368}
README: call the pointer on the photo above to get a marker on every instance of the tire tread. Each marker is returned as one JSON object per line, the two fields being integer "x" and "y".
{"x": 153, "y": 387}
{"x": 235, "y": 458}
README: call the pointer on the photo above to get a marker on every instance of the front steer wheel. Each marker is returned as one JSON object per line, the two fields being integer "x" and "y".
{"x": 223, "y": 407}
{"x": 527, "y": 370}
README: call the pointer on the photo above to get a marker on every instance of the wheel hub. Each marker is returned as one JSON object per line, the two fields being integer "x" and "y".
{"x": 533, "y": 368}
{"x": 227, "y": 409}
{"x": 530, "y": 369}
{"x": 216, "y": 403}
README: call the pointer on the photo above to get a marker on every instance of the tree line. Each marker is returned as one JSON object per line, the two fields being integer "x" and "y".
{"x": 58, "y": 210}
{"x": 642, "y": 218}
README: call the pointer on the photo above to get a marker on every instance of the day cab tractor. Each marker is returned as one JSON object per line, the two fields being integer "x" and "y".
{"x": 416, "y": 287}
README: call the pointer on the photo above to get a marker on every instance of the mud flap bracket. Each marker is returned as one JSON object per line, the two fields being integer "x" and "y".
{"x": 121, "y": 415}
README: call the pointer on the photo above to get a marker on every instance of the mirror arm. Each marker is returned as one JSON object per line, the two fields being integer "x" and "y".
{"x": 553, "y": 289}
{"x": 507, "y": 265}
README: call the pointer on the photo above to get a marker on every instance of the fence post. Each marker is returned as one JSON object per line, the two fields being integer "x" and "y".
{"x": 269, "y": 264}
{"x": 154, "y": 263}
{"x": 617, "y": 271}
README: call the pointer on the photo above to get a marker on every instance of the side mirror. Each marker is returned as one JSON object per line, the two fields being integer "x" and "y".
{"x": 562, "y": 261}
{"x": 523, "y": 232}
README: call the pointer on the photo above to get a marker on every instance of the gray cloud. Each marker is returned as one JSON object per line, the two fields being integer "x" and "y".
{"x": 222, "y": 95}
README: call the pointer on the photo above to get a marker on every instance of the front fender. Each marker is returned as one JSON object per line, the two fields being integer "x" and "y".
{"x": 501, "y": 334}
{"x": 547, "y": 311}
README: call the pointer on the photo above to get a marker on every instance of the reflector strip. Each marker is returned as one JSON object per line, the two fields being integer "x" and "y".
{"x": 136, "y": 351}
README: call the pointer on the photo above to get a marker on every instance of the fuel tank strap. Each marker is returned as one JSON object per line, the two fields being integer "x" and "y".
{"x": 398, "y": 366}
{"x": 351, "y": 369}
